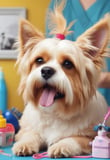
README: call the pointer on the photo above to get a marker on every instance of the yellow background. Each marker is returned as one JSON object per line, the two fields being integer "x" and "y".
{"x": 36, "y": 11}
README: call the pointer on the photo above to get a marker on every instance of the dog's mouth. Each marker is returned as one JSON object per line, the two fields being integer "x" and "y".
{"x": 49, "y": 95}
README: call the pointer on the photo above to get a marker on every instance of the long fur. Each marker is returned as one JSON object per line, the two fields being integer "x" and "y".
{"x": 66, "y": 126}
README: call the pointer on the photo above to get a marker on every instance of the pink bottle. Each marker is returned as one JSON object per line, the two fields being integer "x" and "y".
{"x": 101, "y": 145}
{"x": 6, "y": 132}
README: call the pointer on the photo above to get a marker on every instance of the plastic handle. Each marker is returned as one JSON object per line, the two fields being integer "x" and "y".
{"x": 107, "y": 115}
{"x": 44, "y": 155}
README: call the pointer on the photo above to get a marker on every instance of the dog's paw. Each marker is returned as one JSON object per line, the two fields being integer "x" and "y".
{"x": 24, "y": 148}
{"x": 64, "y": 148}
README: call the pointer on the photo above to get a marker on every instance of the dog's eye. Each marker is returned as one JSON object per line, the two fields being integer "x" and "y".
{"x": 39, "y": 60}
{"x": 67, "y": 64}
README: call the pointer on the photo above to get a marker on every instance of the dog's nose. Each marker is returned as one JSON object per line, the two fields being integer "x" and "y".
{"x": 47, "y": 72}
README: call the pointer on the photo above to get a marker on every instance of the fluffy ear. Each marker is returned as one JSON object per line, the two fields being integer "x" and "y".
{"x": 28, "y": 32}
{"x": 95, "y": 39}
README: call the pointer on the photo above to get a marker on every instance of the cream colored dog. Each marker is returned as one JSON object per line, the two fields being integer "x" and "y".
{"x": 58, "y": 82}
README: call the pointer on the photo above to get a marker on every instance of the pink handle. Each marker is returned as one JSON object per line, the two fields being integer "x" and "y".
{"x": 5, "y": 154}
{"x": 107, "y": 115}
{"x": 44, "y": 155}
{"x": 81, "y": 156}
{"x": 40, "y": 155}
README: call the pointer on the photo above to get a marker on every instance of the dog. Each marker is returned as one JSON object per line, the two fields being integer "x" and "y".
{"x": 58, "y": 83}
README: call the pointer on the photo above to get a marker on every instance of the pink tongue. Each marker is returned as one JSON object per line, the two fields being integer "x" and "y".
{"x": 47, "y": 97}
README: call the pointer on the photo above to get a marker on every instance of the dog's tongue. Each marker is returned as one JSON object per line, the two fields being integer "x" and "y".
{"x": 47, "y": 97}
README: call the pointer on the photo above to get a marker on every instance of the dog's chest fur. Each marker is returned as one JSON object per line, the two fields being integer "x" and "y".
{"x": 52, "y": 128}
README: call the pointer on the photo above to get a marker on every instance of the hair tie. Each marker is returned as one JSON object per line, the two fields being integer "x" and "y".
{"x": 60, "y": 36}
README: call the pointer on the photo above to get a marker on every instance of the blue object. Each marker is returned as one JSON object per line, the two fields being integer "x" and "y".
{"x": 16, "y": 113}
{"x": 100, "y": 126}
{"x": 84, "y": 19}
{"x": 11, "y": 118}
{"x": 3, "y": 92}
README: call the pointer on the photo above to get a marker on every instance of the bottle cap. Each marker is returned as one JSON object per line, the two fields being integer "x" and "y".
{"x": 2, "y": 122}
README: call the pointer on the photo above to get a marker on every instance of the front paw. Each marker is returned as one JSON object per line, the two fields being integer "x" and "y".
{"x": 64, "y": 148}
{"x": 22, "y": 148}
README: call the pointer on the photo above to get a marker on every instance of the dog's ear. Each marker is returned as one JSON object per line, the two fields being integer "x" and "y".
{"x": 28, "y": 32}
{"x": 95, "y": 39}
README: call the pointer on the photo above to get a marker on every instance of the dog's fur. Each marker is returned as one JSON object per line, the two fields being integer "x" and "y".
{"x": 64, "y": 126}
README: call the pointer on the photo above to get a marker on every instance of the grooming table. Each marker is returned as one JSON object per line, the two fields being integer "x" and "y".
{"x": 13, "y": 157}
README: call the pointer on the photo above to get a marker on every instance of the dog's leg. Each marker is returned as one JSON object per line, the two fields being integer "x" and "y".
{"x": 70, "y": 147}
{"x": 28, "y": 143}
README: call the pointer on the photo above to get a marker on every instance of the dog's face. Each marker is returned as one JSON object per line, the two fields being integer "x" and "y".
{"x": 60, "y": 74}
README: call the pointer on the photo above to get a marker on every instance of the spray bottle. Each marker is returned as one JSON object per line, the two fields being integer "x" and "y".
{"x": 101, "y": 143}
{"x": 3, "y": 92}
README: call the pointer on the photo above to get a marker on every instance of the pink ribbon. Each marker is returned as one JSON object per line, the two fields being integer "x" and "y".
{"x": 60, "y": 36}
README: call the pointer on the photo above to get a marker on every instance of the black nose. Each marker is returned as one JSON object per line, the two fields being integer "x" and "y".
{"x": 47, "y": 72}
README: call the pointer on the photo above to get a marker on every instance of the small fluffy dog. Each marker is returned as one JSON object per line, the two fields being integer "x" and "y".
{"x": 58, "y": 82}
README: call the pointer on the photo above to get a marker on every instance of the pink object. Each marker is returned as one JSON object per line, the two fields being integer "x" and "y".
{"x": 6, "y": 132}
{"x": 44, "y": 155}
{"x": 101, "y": 145}
{"x": 107, "y": 116}
{"x": 47, "y": 97}
{"x": 5, "y": 154}
{"x": 6, "y": 135}
{"x": 40, "y": 155}
{"x": 60, "y": 36}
